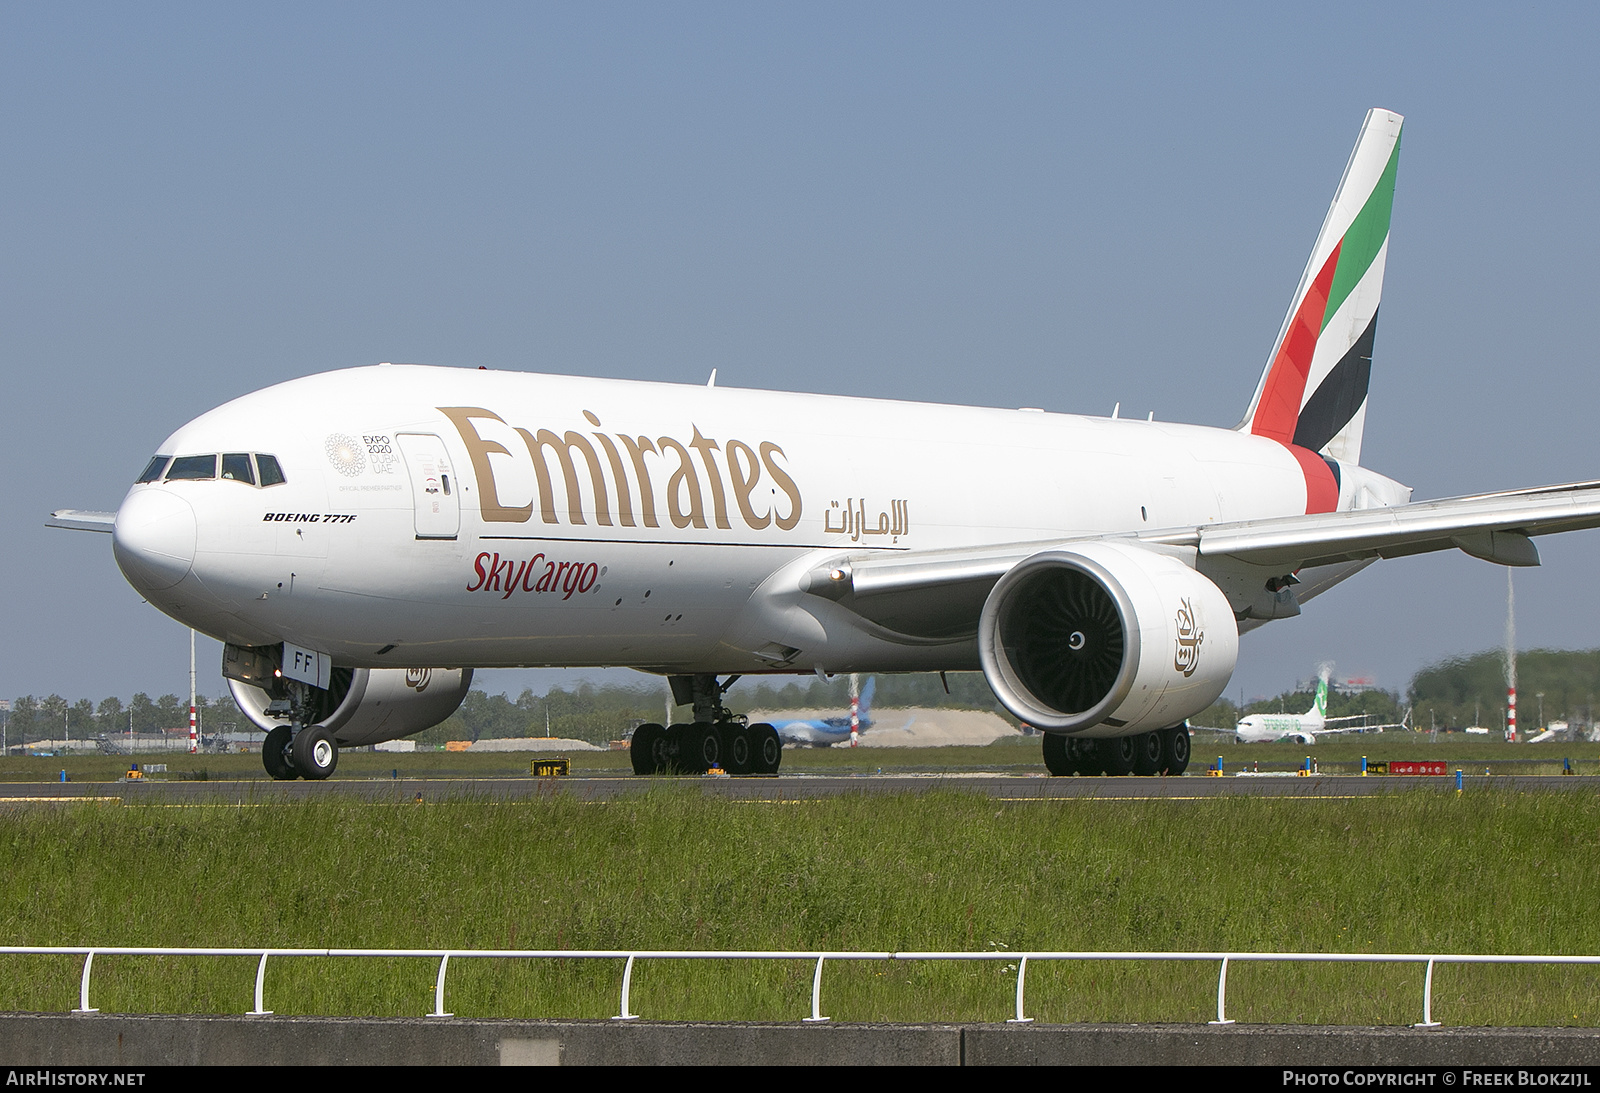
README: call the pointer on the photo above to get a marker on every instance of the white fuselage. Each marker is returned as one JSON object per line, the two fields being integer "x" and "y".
{"x": 1264, "y": 728}
{"x": 683, "y": 547}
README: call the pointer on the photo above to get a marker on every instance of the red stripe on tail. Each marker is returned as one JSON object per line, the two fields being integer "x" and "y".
{"x": 1322, "y": 490}
{"x": 1279, "y": 409}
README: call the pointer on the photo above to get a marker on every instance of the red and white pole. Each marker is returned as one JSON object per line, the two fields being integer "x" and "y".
{"x": 1511, "y": 714}
{"x": 855, "y": 720}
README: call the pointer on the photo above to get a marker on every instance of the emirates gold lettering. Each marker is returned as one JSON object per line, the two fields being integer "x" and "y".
{"x": 480, "y": 450}
{"x": 683, "y": 488}
{"x": 607, "y": 479}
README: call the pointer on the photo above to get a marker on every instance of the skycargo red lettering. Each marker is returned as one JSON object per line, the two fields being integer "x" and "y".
{"x": 491, "y": 573}
{"x": 528, "y": 572}
{"x": 513, "y": 581}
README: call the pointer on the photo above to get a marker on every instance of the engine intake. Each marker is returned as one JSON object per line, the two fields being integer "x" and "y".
{"x": 1106, "y": 639}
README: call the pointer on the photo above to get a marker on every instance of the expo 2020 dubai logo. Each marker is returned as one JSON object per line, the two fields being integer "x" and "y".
{"x": 345, "y": 453}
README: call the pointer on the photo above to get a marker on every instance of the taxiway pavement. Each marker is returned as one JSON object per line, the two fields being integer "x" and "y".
{"x": 798, "y": 787}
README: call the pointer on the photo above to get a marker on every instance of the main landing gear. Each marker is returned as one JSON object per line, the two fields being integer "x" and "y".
{"x": 716, "y": 737}
{"x": 1165, "y": 751}
{"x": 298, "y": 750}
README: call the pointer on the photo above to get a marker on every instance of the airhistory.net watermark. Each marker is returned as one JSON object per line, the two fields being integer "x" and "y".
{"x": 53, "y": 1077}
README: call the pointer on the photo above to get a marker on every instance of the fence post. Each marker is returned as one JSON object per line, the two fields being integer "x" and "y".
{"x": 438, "y": 990}
{"x": 627, "y": 981}
{"x": 1427, "y": 1000}
{"x": 261, "y": 975}
{"x": 83, "y": 986}
{"x": 816, "y": 994}
{"x": 1222, "y": 995}
{"x": 1022, "y": 974}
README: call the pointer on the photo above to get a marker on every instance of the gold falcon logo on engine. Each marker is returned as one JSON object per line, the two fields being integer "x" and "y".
{"x": 1186, "y": 658}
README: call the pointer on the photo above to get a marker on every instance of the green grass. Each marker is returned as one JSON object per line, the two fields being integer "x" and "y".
{"x": 1485, "y": 872}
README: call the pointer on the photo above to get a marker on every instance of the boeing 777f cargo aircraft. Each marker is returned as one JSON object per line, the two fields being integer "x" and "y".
{"x": 362, "y": 540}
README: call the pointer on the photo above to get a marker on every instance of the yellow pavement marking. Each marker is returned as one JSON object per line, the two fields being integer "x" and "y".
{"x": 60, "y": 800}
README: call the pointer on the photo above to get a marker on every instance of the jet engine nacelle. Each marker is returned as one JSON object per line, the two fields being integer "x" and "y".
{"x": 370, "y": 705}
{"x": 1106, "y": 639}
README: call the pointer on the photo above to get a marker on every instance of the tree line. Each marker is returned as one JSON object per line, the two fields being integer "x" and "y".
{"x": 1462, "y": 691}
{"x": 48, "y": 718}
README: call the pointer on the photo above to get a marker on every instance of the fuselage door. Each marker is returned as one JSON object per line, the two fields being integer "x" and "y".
{"x": 435, "y": 493}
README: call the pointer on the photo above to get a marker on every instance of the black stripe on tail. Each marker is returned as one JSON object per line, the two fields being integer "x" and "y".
{"x": 1339, "y": 396}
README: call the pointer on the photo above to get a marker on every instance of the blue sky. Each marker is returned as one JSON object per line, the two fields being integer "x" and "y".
{"x": 1040, "y": 205}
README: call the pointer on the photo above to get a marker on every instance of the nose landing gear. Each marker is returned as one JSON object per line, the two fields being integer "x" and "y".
{"x": 315, "y": 752}
{"x": 275, "y": 754}
{"x": 299, "y": 750}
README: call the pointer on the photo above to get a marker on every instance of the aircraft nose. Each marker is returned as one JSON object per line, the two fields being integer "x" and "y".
{"x": 154, "y": 539}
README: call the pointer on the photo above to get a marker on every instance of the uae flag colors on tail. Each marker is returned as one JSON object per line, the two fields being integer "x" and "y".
{"x": 1312, "y": 398}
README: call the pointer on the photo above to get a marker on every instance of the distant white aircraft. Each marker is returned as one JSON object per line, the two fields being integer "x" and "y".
{"x": 1262, "y": 728}
{"x": 362, "y": 540}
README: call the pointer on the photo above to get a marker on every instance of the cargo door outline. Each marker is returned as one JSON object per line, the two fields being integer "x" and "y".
{"x": 435, "y": 492}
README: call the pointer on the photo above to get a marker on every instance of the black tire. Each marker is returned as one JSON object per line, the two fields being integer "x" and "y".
{"x": 1084, "y": 756}
{"x": 1056, "y": 759}
{"x": 670, "y": 750}
{"x": 702, "y": 748}
{"x": 1117, "y": 754}
{"x": 275, "y": 755}
{"x": 766, "y": 749}
{"x": 1175, "y": 749}
{"x": 1149, "y": 750}
{"x": 740, "y": 751}
{"x": 644, "y": 749}
{"x": 315, "y": 753}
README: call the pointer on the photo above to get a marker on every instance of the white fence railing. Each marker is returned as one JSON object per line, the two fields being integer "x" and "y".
{"x": 630, "y": 956}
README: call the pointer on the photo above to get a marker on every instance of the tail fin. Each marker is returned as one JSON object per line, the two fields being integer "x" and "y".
{"x": 1320, "y": 706}
{"x": 1313, "y": 394}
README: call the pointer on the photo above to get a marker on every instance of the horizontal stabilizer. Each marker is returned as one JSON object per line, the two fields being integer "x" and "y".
{"x": 82, "y": 520}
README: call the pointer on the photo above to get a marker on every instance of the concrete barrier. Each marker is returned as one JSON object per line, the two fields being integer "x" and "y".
{"x": 114, "y": 1040}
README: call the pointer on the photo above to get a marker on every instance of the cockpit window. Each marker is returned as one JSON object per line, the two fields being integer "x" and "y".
{"x": 251, "y": 469}
{"x": 236, "y": 468}
{"x": 192, "y": 468}
{"x": 271, "y": 473}
{"x": 153, "y": 471}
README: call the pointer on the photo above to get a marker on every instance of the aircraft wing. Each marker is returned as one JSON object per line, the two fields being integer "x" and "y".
{"x": 939, "y": 594}
{"x": 1493, "y": 526}
{"x": 82, "y": 520}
